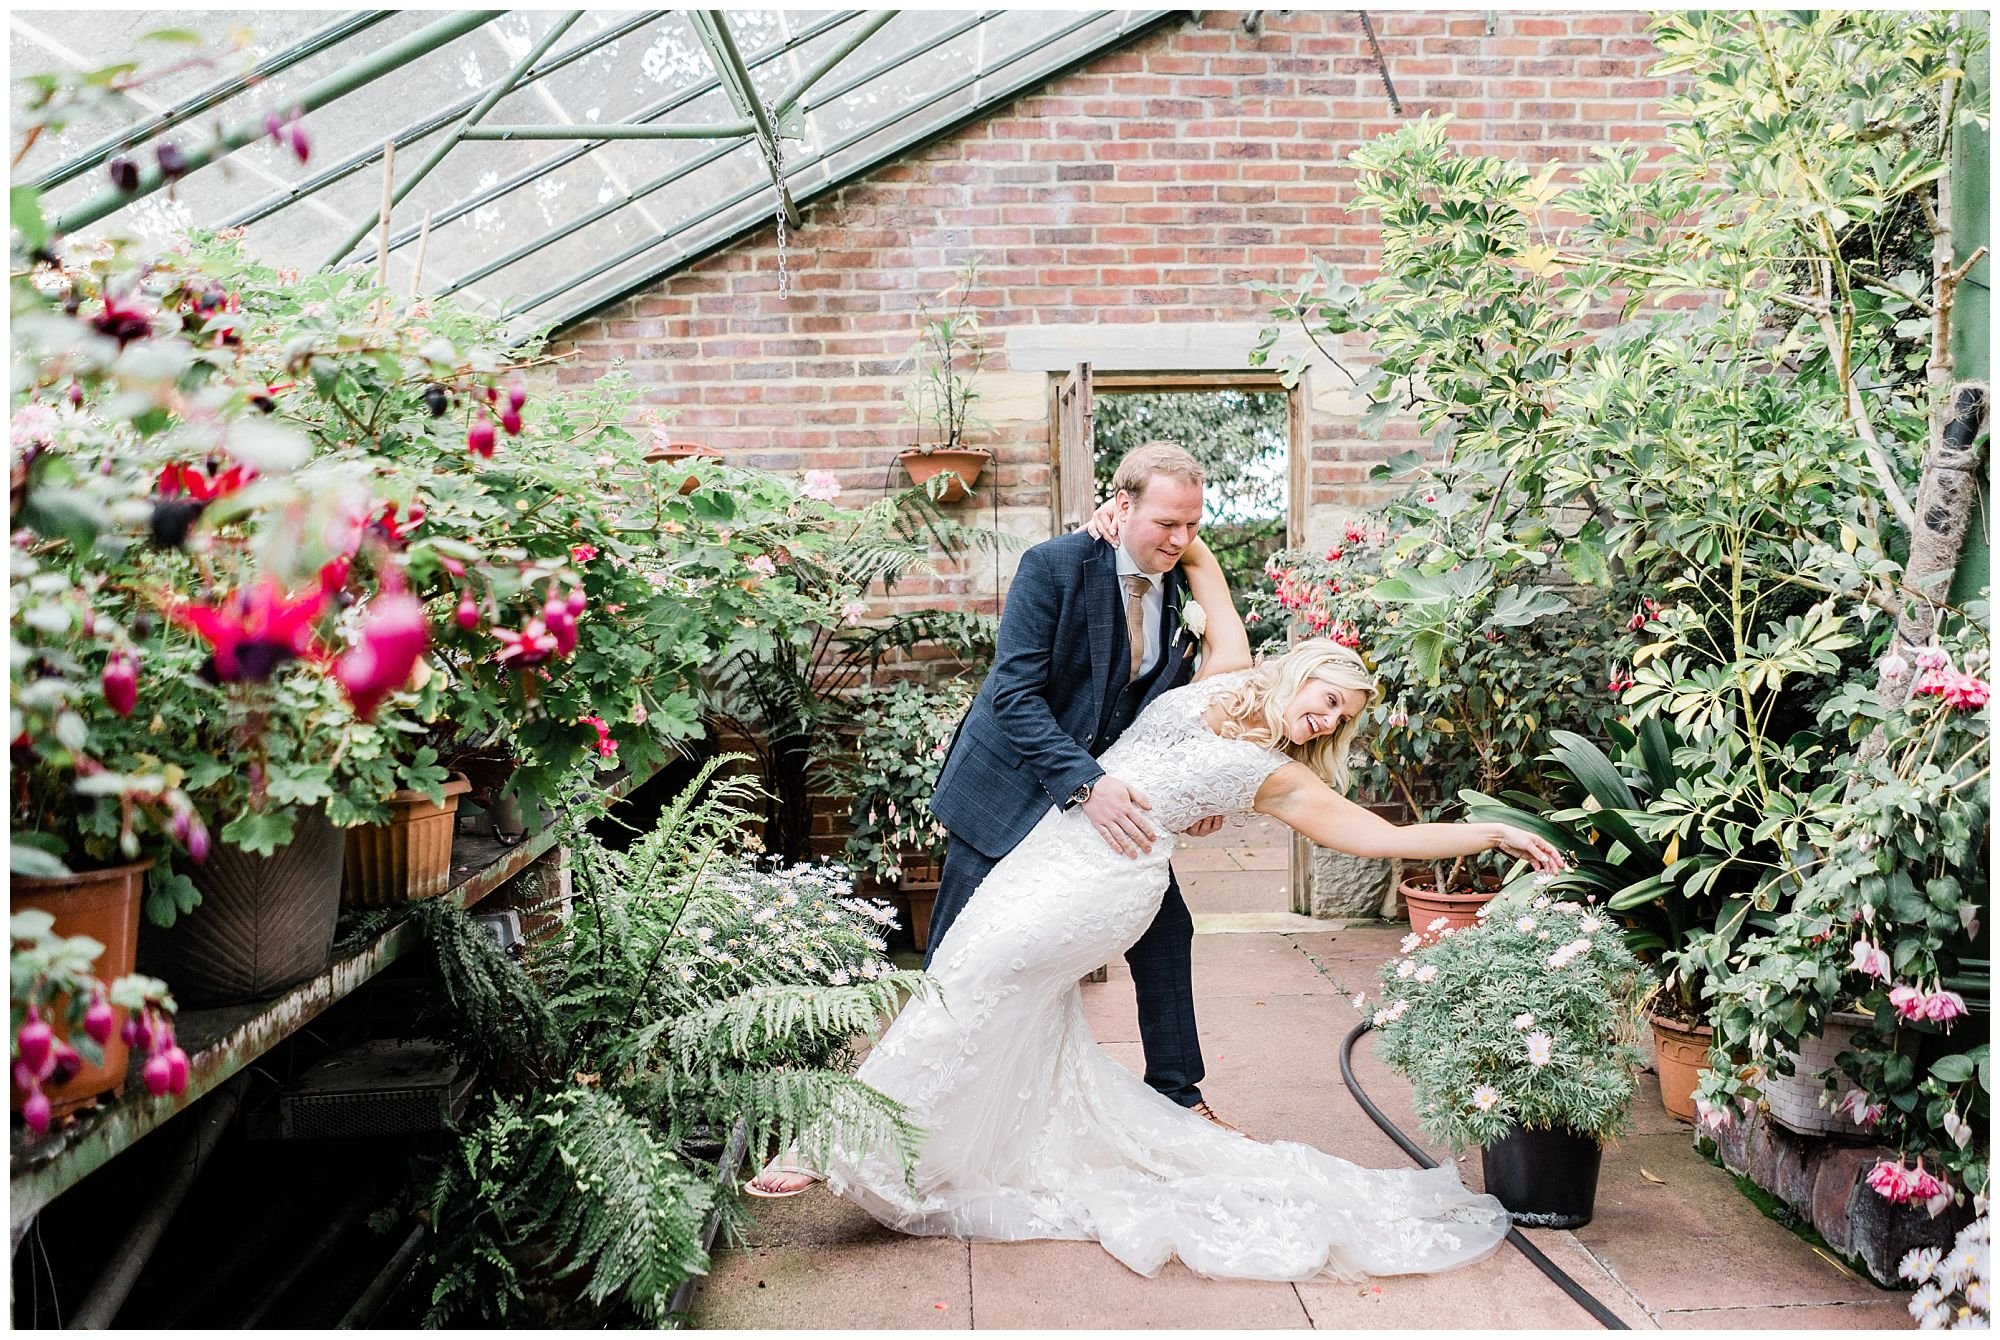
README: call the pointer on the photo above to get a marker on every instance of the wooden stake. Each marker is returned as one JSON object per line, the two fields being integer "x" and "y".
{"x": 423, "y": 240}
{"x": 388, "y": 202}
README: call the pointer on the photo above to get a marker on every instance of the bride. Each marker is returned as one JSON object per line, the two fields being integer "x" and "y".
{"x": 1034, "y": 1131}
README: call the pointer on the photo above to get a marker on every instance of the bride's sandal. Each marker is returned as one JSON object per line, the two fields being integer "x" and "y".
{"x": 750, "y": 1188}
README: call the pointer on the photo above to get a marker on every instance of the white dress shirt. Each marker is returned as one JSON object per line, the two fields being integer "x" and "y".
{"x": 1155, "y": 602}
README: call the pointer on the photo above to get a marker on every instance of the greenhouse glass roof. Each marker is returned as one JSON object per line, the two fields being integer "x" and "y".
{"x": 559, "y": 158}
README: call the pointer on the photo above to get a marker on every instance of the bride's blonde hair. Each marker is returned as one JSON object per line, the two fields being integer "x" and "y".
{"x": 1255, "y": 710}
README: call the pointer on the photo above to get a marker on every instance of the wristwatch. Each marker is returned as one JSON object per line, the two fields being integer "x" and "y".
{"x": 1078, "y": 796}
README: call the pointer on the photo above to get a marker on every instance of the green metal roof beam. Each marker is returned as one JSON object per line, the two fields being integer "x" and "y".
{"x": 824, "y": 65}
{"x": 501, "y": 88}
{"x": 632, "y": 253}
{"x": 902, "y": 58}
{"x": 567, "y": 156}
{"x": 213, "y": 96}
{"x": 712, "y": 25}
{"x": 719, "y": 130}
{"x": 251, "y": 129}
{"x": 527, "y": 249}
{"x": 418, "y": 130}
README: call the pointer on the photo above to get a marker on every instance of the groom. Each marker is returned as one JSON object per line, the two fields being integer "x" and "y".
{"x": 1091, "y": 633}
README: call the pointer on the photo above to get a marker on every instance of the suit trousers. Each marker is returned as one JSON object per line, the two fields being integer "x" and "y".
{"x": 1161, "y": 961}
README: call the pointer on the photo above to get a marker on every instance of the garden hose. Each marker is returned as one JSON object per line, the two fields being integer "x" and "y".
{"x": 1584, "y": 1298}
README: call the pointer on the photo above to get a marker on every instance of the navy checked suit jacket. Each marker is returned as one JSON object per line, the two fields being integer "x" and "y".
{"x": 1032, "y": 734}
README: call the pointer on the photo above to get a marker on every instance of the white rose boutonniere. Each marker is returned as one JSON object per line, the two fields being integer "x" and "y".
{"x": 1194, "y": 618}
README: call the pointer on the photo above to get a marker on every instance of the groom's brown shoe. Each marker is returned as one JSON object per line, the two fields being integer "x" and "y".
{"x": 1202, "y": 1109}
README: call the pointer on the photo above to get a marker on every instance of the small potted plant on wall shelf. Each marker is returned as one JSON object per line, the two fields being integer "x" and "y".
{"x": 948, "y": 354}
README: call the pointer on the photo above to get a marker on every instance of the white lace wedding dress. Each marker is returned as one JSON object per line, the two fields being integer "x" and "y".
{"x": 1035, "y": 1132}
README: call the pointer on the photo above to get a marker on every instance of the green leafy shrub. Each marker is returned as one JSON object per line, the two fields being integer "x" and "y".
{"x": 902, "y": 733}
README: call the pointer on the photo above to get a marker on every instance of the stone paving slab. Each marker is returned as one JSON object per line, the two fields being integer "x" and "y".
{"x": 1665, "y": 1241}
{"x": 896, "y": 1284}
{"x": 1888, "y": 1316}
{"x": 1053, "y": 1285}
{"x": 1239, "y": 891}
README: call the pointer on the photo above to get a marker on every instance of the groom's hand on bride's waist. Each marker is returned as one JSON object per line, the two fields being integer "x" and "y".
{"x": 1118, "y": 813}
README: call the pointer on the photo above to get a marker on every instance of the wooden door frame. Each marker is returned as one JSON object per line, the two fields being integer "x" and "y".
{"x": 1298, "y": 482}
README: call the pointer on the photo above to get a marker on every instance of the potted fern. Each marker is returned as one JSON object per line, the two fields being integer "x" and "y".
{"x": 1517, "y": 1035}
{"x": 949, "y": 352}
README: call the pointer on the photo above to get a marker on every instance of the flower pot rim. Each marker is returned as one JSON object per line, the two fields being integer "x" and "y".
{"x": 905, "y": 454}
{"x": 1428, "y": 891}
{"x": 1674, "y": 1025}
{"x": 670, "y": 451}
{"x": 455, "y": 785}
{"x": 79, "y": 876}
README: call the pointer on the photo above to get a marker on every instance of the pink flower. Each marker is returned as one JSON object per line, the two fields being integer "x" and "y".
{"x": 1932, "y": 657}
{"x": 1942, "y": 1007}
{"x": 606, "y": 746}
{"x": 1903, "y": 1186}
{"x": 479, "y": 437}
{"x": 820, "y": 485}
{"x": 253, "y": 632}
{"x": 582, "y": 553}
{"x": 121, "y": 682}
{"x": 1854, "y": 1104}
{"x": 531, "y": 646}
{"x": 1909, "y": 1001}
{"x": 1399, "y": 717}
{"x": 1965, "y": 692}
{"x": 1715, "y": 1118}
{"x": 392, "y": 642}
{"x": 853, "y": 612}
{"x": 1869, "y": 959}
{"x": 1893, "y": 666}
{"x": 763, "y": 566}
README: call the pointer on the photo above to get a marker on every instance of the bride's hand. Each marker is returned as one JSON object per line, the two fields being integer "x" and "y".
{"x": 1103, "y": 523}
{"x": 1523, "y": 845}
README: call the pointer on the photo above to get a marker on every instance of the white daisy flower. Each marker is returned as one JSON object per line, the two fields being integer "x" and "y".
{"x": 1524, "y": 1021}
{"x": 1484, "y": 1097}
{"x": 1541, "y": 1049}
{"x": 1427, "y": 974}
{"x": 1525, "y": 924}
{"x": 1406, "y": 968}
{"x": 1438, "y": 924}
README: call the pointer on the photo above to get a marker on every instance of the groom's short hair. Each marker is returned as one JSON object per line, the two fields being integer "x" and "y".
{"x": 1148, "y": 459}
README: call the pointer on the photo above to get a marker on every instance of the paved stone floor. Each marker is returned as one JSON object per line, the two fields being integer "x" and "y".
{"x": 1673, "y": 1245}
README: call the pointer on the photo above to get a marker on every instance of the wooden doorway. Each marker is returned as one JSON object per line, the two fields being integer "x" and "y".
{"x": 1074, "y": 406}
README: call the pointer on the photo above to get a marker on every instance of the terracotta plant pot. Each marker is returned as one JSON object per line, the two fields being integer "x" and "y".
{"x": 684, "y": 453}
{"x": 103, "y": 904}
{"x": 265, "y": 922}
{"x": 964, "y": 463}
{"x": 1424, "y": 904}
{"x": 1545, "y": 1178}
{"x": 407, "y": 859}
{"x": 917, "y": 895}
{"x": 1680, "y": 1055}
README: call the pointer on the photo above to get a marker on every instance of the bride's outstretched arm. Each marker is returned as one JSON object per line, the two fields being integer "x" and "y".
{"x": 1295, "y": 796}
{"x": 1225, "y": 645}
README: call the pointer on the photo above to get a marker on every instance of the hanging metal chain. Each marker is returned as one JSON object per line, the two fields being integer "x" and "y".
{"x": 774, "y": 155}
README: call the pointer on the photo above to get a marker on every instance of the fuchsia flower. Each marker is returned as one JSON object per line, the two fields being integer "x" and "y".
{"x": 254, "y": 632}
{"x": 468, "y": 613}
{"x": 1903, "y": 1186}
{"x": 121, "y": 682}
{"x": 1939, "y": 1007}
{"x": 1399, "y": 717}
{"x": 1619, "y": 681}
{"x": 820, "y": 486}
{"x": 1855, "y": 1105}
{"x": 1870, "y": 959}
{"x": 1335, "y": 554}
{"x": 392, "y": 642}
{"x": 479, "y": 437}
{"x": 388, "y": 527}
{"x": 203, "y": 485}
{"x": 122, "y": 320}
{"x": 853, "y": 612}
{"x": 531, "y": 646}
{"x": 606, "y": 746}
{"x": 582, "y": 553}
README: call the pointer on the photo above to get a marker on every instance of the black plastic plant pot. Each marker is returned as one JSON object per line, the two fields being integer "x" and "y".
{"x": 1546, "y": 1179}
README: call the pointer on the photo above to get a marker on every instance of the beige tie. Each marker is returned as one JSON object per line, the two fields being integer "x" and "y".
{"x": 1136, "y": 590}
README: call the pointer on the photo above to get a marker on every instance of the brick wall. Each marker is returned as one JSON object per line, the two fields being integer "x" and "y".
{"x": 1122, "y": 213}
